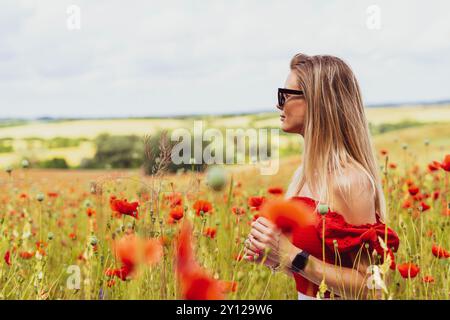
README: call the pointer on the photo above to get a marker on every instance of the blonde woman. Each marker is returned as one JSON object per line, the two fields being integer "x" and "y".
{"x": 339, "y": 177}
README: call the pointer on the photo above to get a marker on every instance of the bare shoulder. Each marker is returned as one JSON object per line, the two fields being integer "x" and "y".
{"x": 354, "y": 196}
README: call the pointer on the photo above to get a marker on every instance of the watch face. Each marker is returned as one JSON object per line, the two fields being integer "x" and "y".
{"x": 300, "y": 260}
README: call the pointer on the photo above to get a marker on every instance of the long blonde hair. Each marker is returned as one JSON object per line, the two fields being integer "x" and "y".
{"x": 336, "y": 128}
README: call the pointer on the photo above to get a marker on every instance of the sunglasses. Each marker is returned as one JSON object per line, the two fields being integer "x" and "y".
{"x": 283, "y": 95}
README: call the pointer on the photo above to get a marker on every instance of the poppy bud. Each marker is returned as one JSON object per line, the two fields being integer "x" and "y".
{"x": 323, "y": 209}
{"x": 50, "y": 236}
{"x": 40, "y": 197}
{"x": 94, "y": 240}
{"x": 216, "y": 178}
{"x": 25, "y": 163}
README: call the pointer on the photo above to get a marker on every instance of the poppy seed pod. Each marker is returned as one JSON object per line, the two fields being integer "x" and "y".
{"x": 216, "y": 178}
{"x": 323, "y": 209}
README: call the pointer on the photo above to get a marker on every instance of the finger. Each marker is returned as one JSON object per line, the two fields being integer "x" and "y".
{"x": 251, "y": 248}
{"x": 266, "y": 222}
{"x": 250, "y": 252}
{"x": 257, "y": 244}
{"x": 270, "y": 232}
{"x": 260, "y": 236}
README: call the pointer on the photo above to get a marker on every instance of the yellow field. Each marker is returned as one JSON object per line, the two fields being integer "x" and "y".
{"x": 436, "y": 130}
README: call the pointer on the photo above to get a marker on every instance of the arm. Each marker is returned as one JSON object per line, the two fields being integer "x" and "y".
{"x": 345, "y": 282}
{"x": 357, "y": 203}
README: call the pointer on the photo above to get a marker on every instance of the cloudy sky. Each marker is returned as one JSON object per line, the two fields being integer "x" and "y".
{"x": 134, "y": 58}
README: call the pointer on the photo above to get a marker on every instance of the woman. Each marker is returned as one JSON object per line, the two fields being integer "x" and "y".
{"x": 322, "y": 102}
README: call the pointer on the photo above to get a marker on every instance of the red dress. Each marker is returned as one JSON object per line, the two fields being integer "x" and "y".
{"x": 349, "y": 239}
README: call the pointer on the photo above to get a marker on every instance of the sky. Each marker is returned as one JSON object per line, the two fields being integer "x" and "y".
{"x": 173, "y": 57}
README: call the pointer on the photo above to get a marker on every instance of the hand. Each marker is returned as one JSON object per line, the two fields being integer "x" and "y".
{"x": 265, "y": 237}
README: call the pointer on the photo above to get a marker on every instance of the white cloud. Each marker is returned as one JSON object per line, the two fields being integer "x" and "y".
{"x": 178, "y": 57}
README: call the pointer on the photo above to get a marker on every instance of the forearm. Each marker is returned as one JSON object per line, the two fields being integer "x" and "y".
{"x": 346, "y": 282}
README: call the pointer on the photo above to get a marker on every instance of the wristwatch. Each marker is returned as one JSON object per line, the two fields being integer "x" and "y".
{"x": 300, "y": 261}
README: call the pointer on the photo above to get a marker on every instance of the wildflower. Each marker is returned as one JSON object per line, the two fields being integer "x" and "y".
{"x": 124, "y": 207}
{"x": 7, "y": 257}
{"x": 406, "y": 204}
{"x": 428, "y": 279}
{"x": 210, "y": 232}
{"x": 424, "y": 206}
{"x": 436, "y": 194}
{"x": 255, "y": 203}
{"x": 439, "y": 252}
{"x": 132, "y": 250}
{"x": 238, "y": 211}
{"x": 446, "y": 163}
{"x": 176, "y": 214}
{"x": 408, "y": 270}
{"x": 434, "y": 166}
{"x": 413, "y": 190}
{"x": 174, "y": 199}
{"x": 392, "y": 165}
{"x": 383, "y": 152}
{"x": 275, "y": 190}
{"x": 26, "y": 255}
{"x": 202, "y": 206}
{"x": 195, "y": 282}
{"x": 287, "y": 215}
{"x": 90, "y": 212}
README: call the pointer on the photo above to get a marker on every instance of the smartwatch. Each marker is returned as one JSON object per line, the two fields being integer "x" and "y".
{"x": 300, "y": 261}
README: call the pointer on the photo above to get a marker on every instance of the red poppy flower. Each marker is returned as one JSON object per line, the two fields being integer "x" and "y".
{"x": 122, "y": 273}
{"x": 436, "y": 194}
{"x": 275, "y": 190}
{"x": 446, "y": 163}
{"x": 198, "y": 285}
{"x": 408, "y": 270}
{"x": 210, "y": 232}
{"x": 175, "y": 199}
{"x": 383, "y": 152}
{"x": 26, "y": 255}
{"x": 90, "y": 212}
{"x": 124, "y": 207}
{"x": 238, "y": 211}
{"x": 256, "y": 202}
{"x": 428, "y": 279}
{"x": 7, "y": 257}
{"x": 413, "y": 190}
{"x": 195, "y": 282}
{"x": 424, "y": 206}
{"x": 406, "y": 204}
{"x": 202, "y": 206}
{"x": 392, "y": 165}
{"x": 52, "y": 194}
{"x": 439, "y": 252}
{"x": 176, "y": 213}
{"x": 434, "y": 166}
{"x": 287, "y": 215}
{"x": 132, "y": 250}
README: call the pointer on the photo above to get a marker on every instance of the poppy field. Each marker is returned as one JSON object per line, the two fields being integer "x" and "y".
{"x": 122, "y": 235}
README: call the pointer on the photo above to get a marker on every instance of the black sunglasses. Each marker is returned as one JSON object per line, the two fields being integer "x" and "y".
{"x": 282, "y": 96}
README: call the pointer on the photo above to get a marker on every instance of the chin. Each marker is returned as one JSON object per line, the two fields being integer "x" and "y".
{"x": 289, "y": 129}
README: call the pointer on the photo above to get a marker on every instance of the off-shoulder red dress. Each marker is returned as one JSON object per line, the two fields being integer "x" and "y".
{"x": 349, "y": 240}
